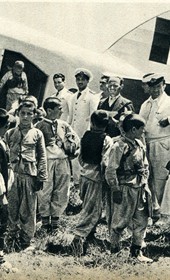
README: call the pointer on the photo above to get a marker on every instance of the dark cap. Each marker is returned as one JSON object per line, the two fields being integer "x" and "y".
{"x": 146, "y": 78}
{"x": 84, "y": 72}
{"x": 153, "y": 79}
{"x": 59, "y": 75}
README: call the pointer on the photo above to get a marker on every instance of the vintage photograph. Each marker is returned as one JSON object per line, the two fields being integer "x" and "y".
{"x": 84, "y": 140}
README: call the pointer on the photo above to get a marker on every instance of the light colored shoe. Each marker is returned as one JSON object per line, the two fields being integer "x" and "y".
{"x": 7, "y": 267}
{"x": 142, "y": 258}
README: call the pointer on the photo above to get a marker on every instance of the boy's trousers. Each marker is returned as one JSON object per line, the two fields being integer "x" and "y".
{"x": 22, "y": 206}
{"x": 132, "y": 213}
{"x": 91, "y": 194}
{"x": 53, "y": 199}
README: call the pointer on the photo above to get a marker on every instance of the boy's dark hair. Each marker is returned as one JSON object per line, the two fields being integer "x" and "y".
{"x": 105, "y": 77}
{"x": 51, "y": 102}
{"x": 100, "y": 118}
{"x": 4, "y": 117}
{"x": 59, "y": 75}
{"x": 132, "y": 120}
{"x": 27, "y": 104}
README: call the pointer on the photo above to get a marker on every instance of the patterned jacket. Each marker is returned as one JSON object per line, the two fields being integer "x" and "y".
{"x": 56, "y": 134}
{"x": 27, "y": 151}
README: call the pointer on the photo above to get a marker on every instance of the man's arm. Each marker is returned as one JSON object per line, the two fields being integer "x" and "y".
{"x": 4, "y": 80}
{"x": 41, "y": 158}
{"x": 25, "y": 85}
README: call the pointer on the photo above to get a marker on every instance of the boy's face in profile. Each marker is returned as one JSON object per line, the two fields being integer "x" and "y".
{"x": 138, "y": 132}
{"x": 54, "y": 113}
{"x": 26, "y": 115}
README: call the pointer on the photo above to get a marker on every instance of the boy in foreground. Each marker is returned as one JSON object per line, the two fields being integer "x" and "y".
{"x": 61, "y": 144}
{"x": 28, "y": 160}
{"x": 4, "y": 184}
{"x": 127, "y": 177}
{"x": 95, "y": 147}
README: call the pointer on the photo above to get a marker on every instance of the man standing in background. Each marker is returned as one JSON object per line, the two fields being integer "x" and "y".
{"x": 83, "y": 104}
{"x": 104, "y": 88}
{"x": 63, "y": 94}
{"x": 115, "y": 104}
{"x": 16, "y": 84}
{"x": 155, "y": 111}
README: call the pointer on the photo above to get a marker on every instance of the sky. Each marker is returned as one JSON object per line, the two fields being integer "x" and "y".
{"x": 91, "y": 25}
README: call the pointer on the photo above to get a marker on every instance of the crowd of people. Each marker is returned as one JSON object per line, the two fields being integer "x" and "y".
{"x": 117, "y": 159}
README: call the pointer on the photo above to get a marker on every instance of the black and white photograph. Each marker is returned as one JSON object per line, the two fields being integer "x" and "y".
{"x": 84, "y": 140}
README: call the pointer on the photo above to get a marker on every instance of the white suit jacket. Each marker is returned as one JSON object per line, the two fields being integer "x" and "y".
{"x": 163, "y": 111}
{"x": 65, "y": 95}
{"x": 81, "y": 110}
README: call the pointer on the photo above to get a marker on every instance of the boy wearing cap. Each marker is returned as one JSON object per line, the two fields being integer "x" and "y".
{"x": 61, "y": 142}
{"x": 95, "y": 147}
{"x": 16, "y": 83}
{"x": 83, "y": 104}
{"x": 127, "y": 177}
{"x": 155, "y": 111}
{"x": 115, "y": 104}
{"x": 28, "y": 160}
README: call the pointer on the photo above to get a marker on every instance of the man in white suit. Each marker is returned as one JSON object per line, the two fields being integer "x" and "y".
{"x": 63, "y": 94}
{"x": 156, "y": 112}
{"x": 83, "y": 103}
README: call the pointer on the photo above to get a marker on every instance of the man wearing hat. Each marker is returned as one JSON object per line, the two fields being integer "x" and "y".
{"x": 15, "y": 82}
{"x": 116, "y": 104}
{"x": 155, "y": 111}
{"x": 83, "y": 103}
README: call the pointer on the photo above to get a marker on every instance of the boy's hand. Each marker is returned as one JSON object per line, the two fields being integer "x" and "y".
{"x": 38, "y": 186}
{"x": 117, "y": 197}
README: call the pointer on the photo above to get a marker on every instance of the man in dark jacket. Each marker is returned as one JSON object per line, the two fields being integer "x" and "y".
{"x": 116, "y": 104}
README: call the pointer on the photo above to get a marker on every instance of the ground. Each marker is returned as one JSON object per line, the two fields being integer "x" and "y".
{"x": 50, "y": 258}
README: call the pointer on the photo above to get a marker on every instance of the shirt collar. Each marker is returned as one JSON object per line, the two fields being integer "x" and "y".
{"x": 50, "y": 121}
{"x": 21, "y": 126}
{"x": 112, "y": 99}
{"x": 83, "y": 91}
{"x": 157, "y": 100}
{"x": 132, "y": 142}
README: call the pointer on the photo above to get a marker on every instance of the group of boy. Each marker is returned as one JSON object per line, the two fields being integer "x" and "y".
{"x": 108, "y": 150}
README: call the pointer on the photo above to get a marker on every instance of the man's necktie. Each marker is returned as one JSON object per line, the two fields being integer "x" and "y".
{"x": 78, "y": 95}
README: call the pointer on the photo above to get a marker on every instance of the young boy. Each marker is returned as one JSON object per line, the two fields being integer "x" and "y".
{"x": 95, "y": 146}
{"x": 28, "y": 160}
{"x": 127, "y": 177}
{"x": 61, "y": 143}
{"x": 4, "y": 181}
